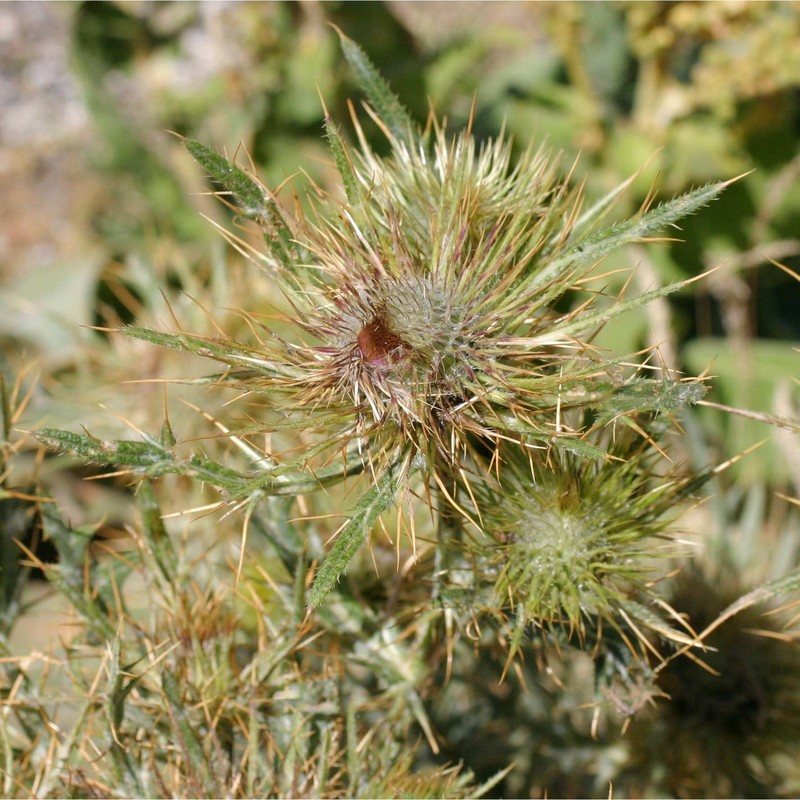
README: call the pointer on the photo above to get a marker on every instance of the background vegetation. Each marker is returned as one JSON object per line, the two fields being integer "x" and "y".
{"x": 141, "y": 654}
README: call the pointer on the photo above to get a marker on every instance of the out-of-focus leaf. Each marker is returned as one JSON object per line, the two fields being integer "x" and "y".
{"x": 47, "y": 307}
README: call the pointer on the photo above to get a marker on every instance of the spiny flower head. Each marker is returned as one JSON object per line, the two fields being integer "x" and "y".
{"x": 578, "y": 545}
{"x": 426, "y": 296}
{"x": 727, "y": 724}
{"x": 423, "y": 296}
{"x": 416, "y": 326}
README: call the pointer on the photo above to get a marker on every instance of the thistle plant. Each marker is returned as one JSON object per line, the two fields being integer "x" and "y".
{"x": 419, "y": 534}
{"x": 443, "y": 303}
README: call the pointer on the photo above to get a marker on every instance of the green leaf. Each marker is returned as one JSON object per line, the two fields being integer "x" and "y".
{"x": 75, "y": 575}
{"x": 188, "y": 739}
{"x": 589, "y": 320}
{"x": 182, "y": 341}
{"x": 767, "y": 592}
{"x": 151, "y": 459}
{"x": 786, "y": 584}
{"x": 342, "y": 160}
{"x": 255, "y": 201}
{"x": 593, "y": 248}
{"x": 599, "y": 209}
{"x": 652, "y": 620}
{"x": 117, "y": 693}
{"x": 225, "y": 352}
{"x": 247, "y": 191}
{"x": 570, "y": 443}
{"x": 293, "y": 479}
{"x": 646, "y": 394}
{"x": 371, "y": 505}
{"x": 155, "y": 532}
{"x": 782, "y": 585}
{"x": 578, "y": 447}
{"x": 385, "y": 103}
{"x": 148, "y": 458}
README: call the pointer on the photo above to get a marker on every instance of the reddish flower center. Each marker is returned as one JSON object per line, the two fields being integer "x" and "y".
{"x": 377, "y": 343}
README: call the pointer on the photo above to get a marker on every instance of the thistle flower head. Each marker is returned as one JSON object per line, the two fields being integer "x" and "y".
{"x": 576, "y": 544}
{"x": 426, "y": 285}
{"x": 727, "y": 726}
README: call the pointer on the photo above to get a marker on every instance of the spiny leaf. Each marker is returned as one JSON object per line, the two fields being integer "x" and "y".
{"x": 787, "y": 583}
{"x": 215, "y": 474}
{"x": 761, "y": 594}
{"x": 151, "y": 459}
{"x": 652, "y": 620}
{"x": 69, "y": 576}
{"x": 587, "y": 321}
{"x": 117, "y": 694}
{"x": 595, "y": 247}
{"x": 226, "y": 352}
{"x": 248, "y": 192}
{"x": 342, "y": 160}
{"x": 490, "y": 782}
{"x": 578, "y": 447}
{"x": 187, "y": 736}
{"x": 145, "y": 457}
{"x": 597, "y": 210}
{"x": 645, "y": 394}
{"x": 155, "y": 532}
{"x": 371, "y": 505}
{"x": 386, "y": 104}
{"x": 292, "y": 479}
{"x": 255, "y": 201}
{"x": 570, "y": 443}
